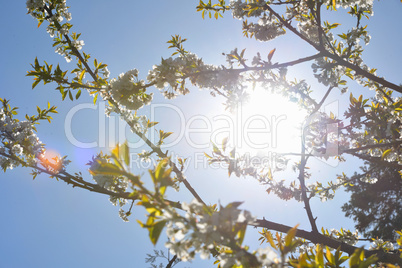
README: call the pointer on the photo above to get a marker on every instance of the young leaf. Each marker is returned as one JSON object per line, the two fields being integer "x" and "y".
{"x": 155, "y": 231}
{"x": 78, "y": 94}
{"x": 271, "y": 54}
{"x": 290, "y": 235}
{"x": 385, "y": 153}
{"x": 125, "y": 153}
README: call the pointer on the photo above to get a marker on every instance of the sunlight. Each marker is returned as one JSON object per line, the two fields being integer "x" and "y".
{"x": 51, "y": 160}
{"x": 271, "y": 123}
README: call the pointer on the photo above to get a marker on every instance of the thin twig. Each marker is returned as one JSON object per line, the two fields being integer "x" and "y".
{"x": 171, "y": 262}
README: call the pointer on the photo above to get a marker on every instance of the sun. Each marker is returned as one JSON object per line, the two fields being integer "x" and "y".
{"x": 270, "y": 123}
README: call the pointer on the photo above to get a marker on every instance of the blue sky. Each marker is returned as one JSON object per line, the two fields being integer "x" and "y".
{"x": 46, "y": 223}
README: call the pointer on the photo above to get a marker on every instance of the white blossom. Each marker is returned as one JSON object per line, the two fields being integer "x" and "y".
{"x": 381, "y": 244}
{"x": 266, "y": 256}
{"x": 127, "y": 90}
{"x": 78, "y": 44}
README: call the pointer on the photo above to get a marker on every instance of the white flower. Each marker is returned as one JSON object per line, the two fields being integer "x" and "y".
{"x": 123, "y": 215}
{"x": 127, "y": 90}
{"x": 369, "y": 179}
{"x": 78, "y": 44}
{"x": 266, "y": 256}
{"x": 380, "y": 244}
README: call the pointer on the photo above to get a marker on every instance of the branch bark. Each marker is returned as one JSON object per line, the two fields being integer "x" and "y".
{"x": 318, "y": 238}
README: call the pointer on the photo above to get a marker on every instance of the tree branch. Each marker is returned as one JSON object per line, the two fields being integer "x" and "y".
{"x": 338, "y": 59}
{"x": 303, "y": 187}
{"x": 141, "y": 135}
{"x": 318, "y": 238}
{"x": 372, "y": 146}
{"x": 171, "y": 262}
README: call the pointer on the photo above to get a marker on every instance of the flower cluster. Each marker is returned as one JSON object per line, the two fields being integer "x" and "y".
{"x": 310, "y": 30}
{"x": 18, "y": 141}
{"x": 127, "y": 90}
{"x": 109, "y": 182}
{"x": 266, "y": 29}
{"x": 33, "y": 5}
{"x": 345, "y": 236}
{"x": 380, "y": 125}
{"x": 381, "y": 244}
{"x": 266, "y": 256}
{"x": 327, "y": 192}
{"x": 112, "y": 183}
{"x": 55, "y": 12}
{"x": 55, "y": 164}
{"x": 201, "y": 232}
{"x": 37, "y": 7}
{"x": 369, "y": 179}
{"x": 321, "y": 134}
{"x": 78, "y": 44}
{"x": 327, "y": 74}
{"x": 172, "y": 73}
{"x": 145, "y": 156}
{"x": 364, "y": 5}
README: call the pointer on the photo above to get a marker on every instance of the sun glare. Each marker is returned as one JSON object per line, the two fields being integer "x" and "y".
{"x": 271, "y": 123}
{"x": 49, "y": 159}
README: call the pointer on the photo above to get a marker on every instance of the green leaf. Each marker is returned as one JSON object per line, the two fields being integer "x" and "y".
{"x": 163, "y": 135}
{"x": 78, "y": 94}
{"x": 155, "y": 231}
{"x": 334, "y": 4}
{"x": 319, "y": 257}
{"x": 35, "y": 83}
{"x": 270, "y": 239}
{"x": 115, "y": 151}
{"x": 63, "y": 95}
{"x": 151, "y": 124}
{"x": 290, "y": 235}
{"x": 121, "y": 152}
{"x": 328, "y": 255}
{"x": 107, "y": 169}
{"x": 385, "y": 153}
{"x": 215, "y": 149}
{"x": 241, "y": 233}
{"x": 208, "y": 156}
{"x": 351, "y": 99}
{"x": 81, "y": 75}
{"x": 125, "y": 153}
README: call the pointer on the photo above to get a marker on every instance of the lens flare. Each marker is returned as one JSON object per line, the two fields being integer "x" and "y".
{"x": 271, "y": 123}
